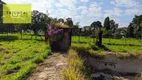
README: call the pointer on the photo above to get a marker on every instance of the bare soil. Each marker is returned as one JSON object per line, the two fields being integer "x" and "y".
{"x": 2, "y": 49}
{"x": 51, "y": 68}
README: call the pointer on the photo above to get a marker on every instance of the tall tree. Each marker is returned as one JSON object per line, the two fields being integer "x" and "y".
{"x": 137, "y": 20}
{"x": 135, "y": 27}
{"x": 130, "y": 30}
{"x": 107, "y": 23}
{"x": 76, "y": 25}
{"x": 113, "y": 26}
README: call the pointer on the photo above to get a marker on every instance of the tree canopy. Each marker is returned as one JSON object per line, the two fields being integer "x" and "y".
{"x": 107, "y": 23}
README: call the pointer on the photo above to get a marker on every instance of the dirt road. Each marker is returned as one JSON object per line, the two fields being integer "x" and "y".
{"x": 51, "y": 68}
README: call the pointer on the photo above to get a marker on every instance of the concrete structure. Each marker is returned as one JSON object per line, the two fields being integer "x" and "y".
{"x": 64, "y": 43}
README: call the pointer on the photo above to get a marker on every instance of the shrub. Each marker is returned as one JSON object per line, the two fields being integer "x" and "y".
{"x": 75, "y": 68}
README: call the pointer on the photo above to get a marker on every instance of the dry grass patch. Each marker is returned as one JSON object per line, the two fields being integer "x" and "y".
{"x": 75, "y": 69}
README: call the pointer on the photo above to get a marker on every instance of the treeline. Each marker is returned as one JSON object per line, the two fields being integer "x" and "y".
{"x": 40, "y": 23}
{"x": 134, "y": 29}
{"x": 108, "y": 28}
{"x": 111, "y": 30}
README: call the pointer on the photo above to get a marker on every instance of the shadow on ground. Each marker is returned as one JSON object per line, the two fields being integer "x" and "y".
{"x": 8, "y": 38}
{"x": 101, "y": 47}
{"x": 122, "y": 44}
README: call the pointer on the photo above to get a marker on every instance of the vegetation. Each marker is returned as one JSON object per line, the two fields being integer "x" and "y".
{"x": 116, "y": 46}
{"x": 107, "y": 23}
{"x": 135, "y": 27}
{"x": 75, "y": 69}
{"x": 19, "y": 57}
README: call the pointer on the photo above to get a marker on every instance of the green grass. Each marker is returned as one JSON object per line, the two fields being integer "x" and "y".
{"x": 19, "y": 57}
{"x": 116, "y": 46}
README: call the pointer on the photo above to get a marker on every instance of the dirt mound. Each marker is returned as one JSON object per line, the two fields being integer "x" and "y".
{"x": 51, "y": 68}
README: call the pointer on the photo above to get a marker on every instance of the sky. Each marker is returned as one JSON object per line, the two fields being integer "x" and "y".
{"x": 87, "y": 11}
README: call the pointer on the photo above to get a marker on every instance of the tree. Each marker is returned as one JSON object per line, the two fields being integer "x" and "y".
{"x": 39, "y": 21}
{"x": 107, "y": 23}
{"x": 97, "y": 25}
{"x": 137, "y": 20}
{"x": 130, "y": 30}
{"x": 113, "y": 26}
{"x": 69, "y": 22}
{"x": 61, "y": 20}
{"x": 119, "y": 31}
{"x": 135, "y": 27}
{"x": 75, "y": 29}
{"x": 76, "y": 25}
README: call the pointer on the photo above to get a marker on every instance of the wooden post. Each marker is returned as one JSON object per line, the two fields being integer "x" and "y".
{"x": 79, "y": 34}
{"x": 70, "y": 34}
{"x": 21, "y": 33}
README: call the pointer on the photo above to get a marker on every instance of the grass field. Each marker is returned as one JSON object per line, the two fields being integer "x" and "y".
{"x": 116, "y": 46}
{"x": 19, "y": 57}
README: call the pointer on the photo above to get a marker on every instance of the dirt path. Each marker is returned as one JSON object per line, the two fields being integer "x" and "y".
{"x": 51, "y": 68}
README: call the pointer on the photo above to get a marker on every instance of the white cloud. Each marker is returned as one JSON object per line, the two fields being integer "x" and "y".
{"x": 41, "y": 5}
{"x": 113, "y": 12}
{"x": 94, "y": 4}
{"x": 58, "y": 5}
{"x": 83, "y": 12}
{"x": 65, "y": 13}
{"x": 89, "y": 13}
{"x": 68, "y": 3}
{"x": 108, "y": 13}
{"x": 132, "y": 11}
{"x": 124, "y": 3}
{"x": 84, "y": 0}
{"x": 94, "y": 9}
{"x": 117, "y": 11}
{"x": 95, "y": 12}
{"x": 82, "y": 7}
